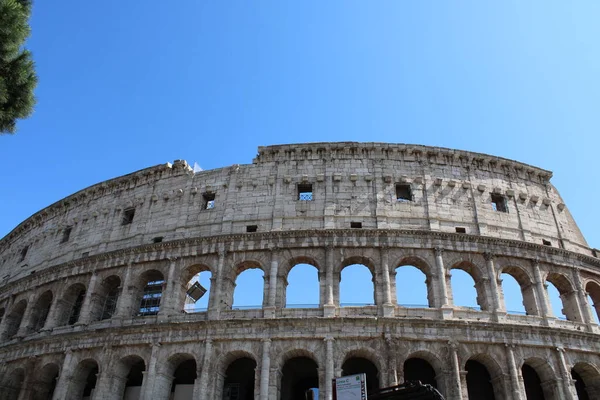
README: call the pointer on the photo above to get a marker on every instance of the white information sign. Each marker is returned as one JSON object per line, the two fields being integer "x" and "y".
{"x": 353, "y": 387}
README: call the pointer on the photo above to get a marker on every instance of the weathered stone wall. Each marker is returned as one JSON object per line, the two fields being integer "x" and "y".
{"x": 41, "y": 344}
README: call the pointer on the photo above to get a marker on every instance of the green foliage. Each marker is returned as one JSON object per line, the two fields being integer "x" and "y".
{"x": 17, "y": 72}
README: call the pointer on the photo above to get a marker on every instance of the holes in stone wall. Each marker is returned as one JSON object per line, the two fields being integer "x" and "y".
{"x": 499, "y": 203}
{"x": 356, "y": 225}
{"x": 305, "y": 192}
{"x": 251, "y": 228}
{"x": 460, "y": 229}
{"x": 403, "y": 192}
{"x": 128, "y": 215}
{"x": 66, "y": 235}
{"x": 208, "y": 201}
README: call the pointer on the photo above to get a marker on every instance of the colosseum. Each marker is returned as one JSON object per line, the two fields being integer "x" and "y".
{"x": 98, "y": 289}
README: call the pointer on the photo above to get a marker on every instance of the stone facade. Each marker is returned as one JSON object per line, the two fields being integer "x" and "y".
{"x": 75, "y": 273}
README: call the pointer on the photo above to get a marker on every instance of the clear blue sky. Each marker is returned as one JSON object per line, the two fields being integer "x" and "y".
{"x": 124, "y": 85}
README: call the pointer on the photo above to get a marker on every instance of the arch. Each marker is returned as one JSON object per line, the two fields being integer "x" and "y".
{"x": 239, "y": 381}
{"x": 299, "y": 374}
{"x": 301, "y": 287}
{"x": 149, "y": 297}
{"x": 70, "y": 304}
{"x": 129, "y": 371}
{"x": 104, "y": 304}
{"x": 512, "y": 294}
{"x": 356, "y": 365}
{"x": 296, "y": 260}
{"x": 84, "y": 379}
{"x": 421, "y": 366}
{"x": 526, "y": 287}
{"x": 534, "y": 371}
{"x": 178, "y": 375}
{"x": 462, "y": 295}
{"x": 13, "y": 319}
{"x": 587, "y": 380}
{"x": 195, "y": 289}
{"x": 40, "y": 311}
{"x": 479, "y": 381}
{"x": 358, "y": 287}
{"x": 12, "y": 384}
{"x": 358, "y": 260}
{"x": 45, "y": 382}
{"x": 249, "y": 288}
{"x": 413, "y": 287}
{"x": 567, "y": 296}
{"x": 593, "y": 290}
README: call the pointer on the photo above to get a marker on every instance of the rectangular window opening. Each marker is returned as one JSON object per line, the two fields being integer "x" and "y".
{"x": 66, "y": 234}
{"x": 251, "y": 228}
{"x": 403, "y": 192}
{"x": 357, "y": 225}
{"x": 157, "y": 239}
{"x": 461, "y": 230}
{"x": 128, "y": 214}
{"x": 209, "y": 201}
{"x": 595, "y": 252}
{"x": 85, "y": 254}
{"x": 24, "y": 253}
{"x": 546, "y": 242}
{"x": 305, "y": 192}
{"x": 499, "y": 203}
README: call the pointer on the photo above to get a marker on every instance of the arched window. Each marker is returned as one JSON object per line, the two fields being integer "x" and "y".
{"x": 302, "y": 287}
{"x": 83, "y": 384}
{"x": 197, "y": 292}
{"x": 356, "y": 286}
{"x": 104, "y": 304}
{"x": 70, "y": 304}
{"x": 40, "y": 311}
{"x": 464, "y": 293}
{"x": 593, "y": 290}
{"x": 418, "y": 369}
{"x": 411, "y": 287}
{"x": 153, "y": 283}
{"x": 249, "y": 289}
{"x": 587, "y": 381}
{"x": 360, "y": 365}
{"x": 562, "y": 297}
{"x": 13, "y": 319}
{"x": 11, "y": 384}
{"x": 533, "y": 383}
{"x": 513, "y": 296}
{"x": 479, "y": 382}
{"x": 183, "y": 380}
{"x": 239, "y": 379}
{"x": 46, "y": 382}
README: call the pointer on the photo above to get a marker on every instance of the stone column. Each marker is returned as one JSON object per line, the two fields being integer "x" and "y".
{"x": 392, "y": 362}
{"x": 265, "y": 369}
{"x": 206, "y": 371}
{"x": 86, "y": 308}
{"x": 494, "y": 287}
{"x": 388, "y": 308}
{"x": 568, "y": 386}
{"x": 168, "y": 300}
{"x": 64, "y": 378}
{"x": 269, "y": 311}
{"x": 124, "y": 303}
{"x": 541, "y": 291}
{"x": 329, "y": 373}
{"x": 516, "y": 389}
{"x": 213, "y": 311}
{"x": 455, "y": 389}
{"x": 150, "y": 374}
{"x": 585, "y": 309}
{"x": 329, "y": 307}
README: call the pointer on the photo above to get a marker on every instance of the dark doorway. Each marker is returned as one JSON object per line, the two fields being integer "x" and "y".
{"x": 479, "y": 382}
{"x": 185, "y": 374}
{"x": 90, "y": 383}
{"x": 359, "y": 365}
{"x": 299, "y": 374}
{"x": 239, "y": 380}
{"x": 417, "y": 369}
{"x": 46, "y": 383}
{"x": 582, "y": 393}
{"x": 533, "y": 384}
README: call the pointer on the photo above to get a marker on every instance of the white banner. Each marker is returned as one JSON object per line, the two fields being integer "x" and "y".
{"x": 353, "y": 387}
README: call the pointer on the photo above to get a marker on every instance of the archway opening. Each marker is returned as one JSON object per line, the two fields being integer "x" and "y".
{"x": 580, "y": 386}
{"x": 533, "y": 383}
{"x": 418, "y": 369}
{"x": 593, "y": 290}
{"x": 479, "y": 381}
{"x": 411, "y": 287}
{"x": 303, "y": 287}
{"x": 84, "y": 380}
{"x": 197, "y": 292}
{"x": 513, "y": 295}
{"x": 153, "y": 282}
{"x": 464, "y": 292}
{"x": 356, "y": 286}
{"x": 70, "y": 305}
{"x": 106, "y": 302}
{"x": 359, "y": 365}
{"x": 556, "y": 303}
{"x": 46, "y": 382}
{"x": 249, "y": 289}
{"x": 239, "y": 380}
{"x": 299, "y": 376}
{"x": 562, "y": 297}
{"x": 135, "y": 378}
{"x": 11, "y": 386}
{"x": 40, "y": 311}
{"x": 184, "y": 377}
{"x": 13, "y": 320}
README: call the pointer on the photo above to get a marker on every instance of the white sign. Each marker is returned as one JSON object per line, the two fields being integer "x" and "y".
{"x": 352, "y": 387}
